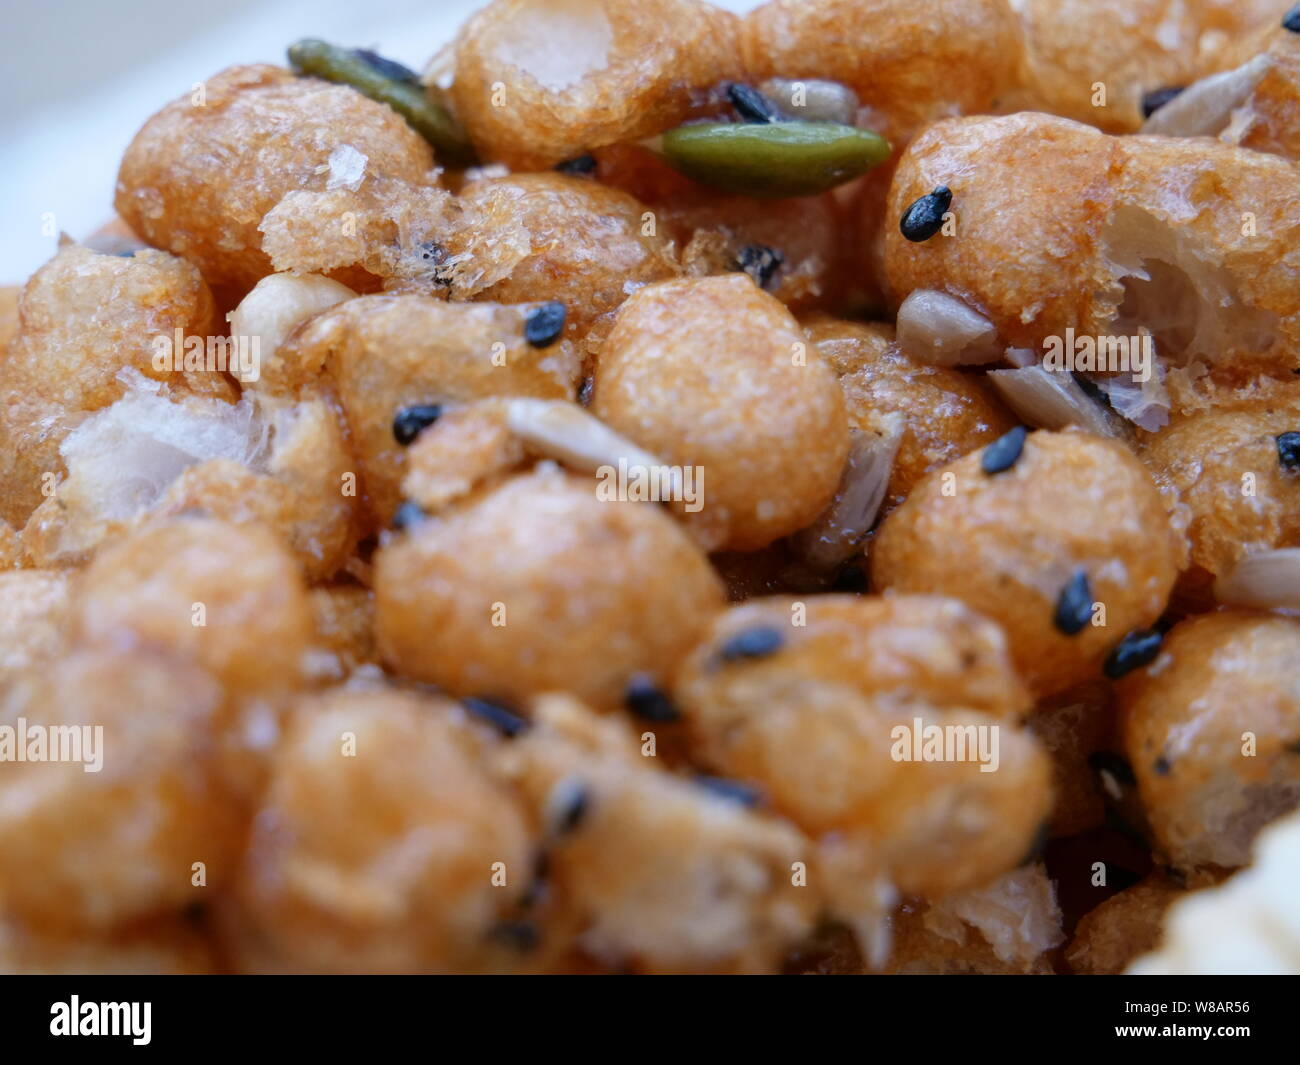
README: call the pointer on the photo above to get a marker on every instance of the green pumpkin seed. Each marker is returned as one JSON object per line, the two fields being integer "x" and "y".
{"x": 773, "y": 159}
{"x": 422, "y": 110}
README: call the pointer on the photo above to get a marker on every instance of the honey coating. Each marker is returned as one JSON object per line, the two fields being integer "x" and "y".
{"x": 815, "y": 724}
{"x": 1122, "y": 928}
{"x": 382, "y": 844}
{"x": 1210, "y": 729}
{"x": 537, "y": 585}
{"x": 385, "y": 353}
{"x": 84, "y": 317}
{"x": 656, "y": 873}
{"x": 87, "y": 849}
{"x": 909, "y": 63}
{"x": 1131, "y": 47}
{"x": 1224, "y": 484}
{"x": 539, "y": 81}
{"x": 714, "y": 373}
{"x": 544, "y": 237}
{"x": 33, "y": 620}
{"x": 944, "y": 412}
{"x": 1007, "y": 544}
{"x": 199, "y": 178}
{"x": 227, "y": 598}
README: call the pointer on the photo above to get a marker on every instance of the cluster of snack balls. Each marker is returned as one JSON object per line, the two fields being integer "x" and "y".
{"x": 387, "y": 683}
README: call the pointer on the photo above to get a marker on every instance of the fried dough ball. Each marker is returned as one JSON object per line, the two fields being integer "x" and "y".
{"x": 1247, "y": 925}
{"x": 1072, "y": 726}
{"x": 1193, "y": 240}
{"x": 114, "y": 836}
{"x": 654, "y": 872}
{"x": 33, "y": 620}
{"x": 1267, "y": 120}
{"x": 1132, "y": 47}
{"x": 909, "y": 63}
{"x": 1074, "y": 523}
{"x": 791, "y": 247}
{"x": 541, "y": 81}
{"x": 812, "y": 713}
{"x": 199, "y": 177}
{"x": 9, "y": 297}
{"x": 170, "y": 947}
{"x": 12, "y": 555}
{"x": 83, "y": 318}
{"x": 1005, "y": 927}
{"x": 386, "y": 353}
{"x": 538, "y": 585}
{"x": 544, "y": 237}
{"x": 228, "y": 598}
{"x": 714, "y": 373}
{"x": 944, "y": 413}
{"x": 382, "y": 844}
{"x": 1225, "y": 486}
{"x": 147, "y": 456}
{"x": 1210, "y": 729}
{"x": 1123, "y": 927}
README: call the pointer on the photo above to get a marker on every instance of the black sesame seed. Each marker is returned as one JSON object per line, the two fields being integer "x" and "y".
{"x": 411, "y": 421}
{"x": 758, "y": 642}
{"x": 1288, "y": 451}
{"x": 751, "y": 104}
{"x": 585, "y": 390}
{"x": 1153, "y": 101}
{"x": 544, "y": 325}
{"x": 502, "y": 718}
{"x": 408, "y": 514}
{"x": 1074, "y": 605}
{"x": 644, "y": 698}
{"x": 731, "y": 790}
{"x": 1036, "y": 845}
{"x": 760, "y": 262}
{"x": 389, "y": 68}
{"x": 1162, "y": 766}
{"x": 924, "y": 218}
{"x": 582, "y": 166}
{"x": 568, "y": 805}
{"x": 521, "y": 935}
{"x": 1005, "y": 451}
{"x": 1137, "y": 649}
{"x": 1291, "y": 20}
{"x": 1113, "y": 765}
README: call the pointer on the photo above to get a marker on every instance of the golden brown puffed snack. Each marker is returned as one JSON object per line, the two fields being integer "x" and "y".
{"x": 714, "y": 373}
{"x": 9, "y": 296}
{"x": 1210, "y": 729}
{"x": 536, "y": 585}
{"x": 1008, "y": 926}
{"x": 227, "y": 598}
{"x": 1075, "y": 522}
{"x": 167, "y": 947}
{"x": 1131, "y": 47}
{"x": 382, "y": 844}
{"x": 542, "y": 237}
{"x": 386, "y": 353}
{"x": 649, "y": 871}
{"x": 1191, "y": 240}
{"x": 909, "y": 63}
{"x": 201, "y": 175}
{"x": 33, "y": 619}
{"x": 11, "y": 547}
{"x": 1224, "y": 482}
{"x": 1128, "y": 924}
{"x": 83, "y": 318}
{"x": 1267, "y": 121}
{"x": 828, "y": 718}
{"x": 113, "y": 835}
{"x": 1072, "y": 726}
{"x": 540, "y": 81}
{"x": 942, "y": 412}
{"x": 284, "y": 463}
{"x": 344, "y": 615}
